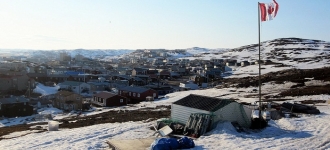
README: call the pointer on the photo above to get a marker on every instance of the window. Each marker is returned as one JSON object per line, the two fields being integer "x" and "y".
{"x": 129, "y": 93}
{"x": 134, "y": 94}
{"x": 119, "y": 92}
{"x": 138, "y": 94}
{"x": 78, "y": 98}
{"x": 121, "y": 100}
{"x": 101, "y": 100}
{"x": 0, "y": 106}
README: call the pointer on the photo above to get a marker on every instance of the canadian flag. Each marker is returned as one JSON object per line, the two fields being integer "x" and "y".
{"x": 268, "y": 11}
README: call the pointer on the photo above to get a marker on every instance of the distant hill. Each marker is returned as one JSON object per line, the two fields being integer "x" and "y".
{"x": 296, "y": 52}
{"x": 89, "y": 53}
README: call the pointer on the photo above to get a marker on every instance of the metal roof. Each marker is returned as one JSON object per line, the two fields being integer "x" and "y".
{"x": 105, "y": 95}
{"x": 203, "y": 102}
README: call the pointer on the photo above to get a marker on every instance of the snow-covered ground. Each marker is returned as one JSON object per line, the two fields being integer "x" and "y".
{"x": 306, "y": 132}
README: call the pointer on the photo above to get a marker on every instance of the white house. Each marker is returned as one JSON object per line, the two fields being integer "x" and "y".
{"x": 189, "y": 84}
{"x": 76, "y": 87}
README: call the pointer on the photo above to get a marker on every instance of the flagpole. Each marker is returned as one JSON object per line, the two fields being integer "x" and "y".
{"x": 259, "y": 65}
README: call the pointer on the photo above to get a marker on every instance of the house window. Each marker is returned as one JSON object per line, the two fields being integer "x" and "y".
{"x": 24, "y": 109}
{"x": 101, "y": 100}
{"x": 138, "y": 94}
{"x": 78, "y": 98}
{"x": 134, "y": 94}
{"x": 129, "y": 93}
{"x": 74, "y": 87}
{"x": 121, "y": 100}
{"x": 119, "y": 92}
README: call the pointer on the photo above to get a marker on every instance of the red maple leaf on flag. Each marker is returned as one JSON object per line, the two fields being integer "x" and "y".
{"x": 270, "y": 9}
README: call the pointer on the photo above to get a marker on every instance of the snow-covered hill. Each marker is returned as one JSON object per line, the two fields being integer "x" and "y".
{"x": 195, "y": 52}
{"x": 295, "y": 49}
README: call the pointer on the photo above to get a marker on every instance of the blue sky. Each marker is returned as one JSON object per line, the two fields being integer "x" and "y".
{"x": 140, "y": 24}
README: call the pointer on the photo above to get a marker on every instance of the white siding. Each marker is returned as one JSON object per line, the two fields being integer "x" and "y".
{"x": 182, "y": 113}
{"x": 248, "y": 111}
{"x": 233, "y": 112}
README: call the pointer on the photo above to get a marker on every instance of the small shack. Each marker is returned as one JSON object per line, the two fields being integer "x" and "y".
{"x": 219, "y": 109}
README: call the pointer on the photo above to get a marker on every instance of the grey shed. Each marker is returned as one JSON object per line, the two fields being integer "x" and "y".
{"x": 220, "y": 109}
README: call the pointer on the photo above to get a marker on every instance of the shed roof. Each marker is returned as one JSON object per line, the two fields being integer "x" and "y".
{"x": 105, "y": 95}
{"x": 203, "y": 102}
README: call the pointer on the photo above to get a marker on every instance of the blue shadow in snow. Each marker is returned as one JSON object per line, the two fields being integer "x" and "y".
{"x": 275, "y": 132}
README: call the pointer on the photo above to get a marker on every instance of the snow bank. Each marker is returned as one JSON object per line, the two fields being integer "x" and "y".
{"x": 45, "y": 90}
